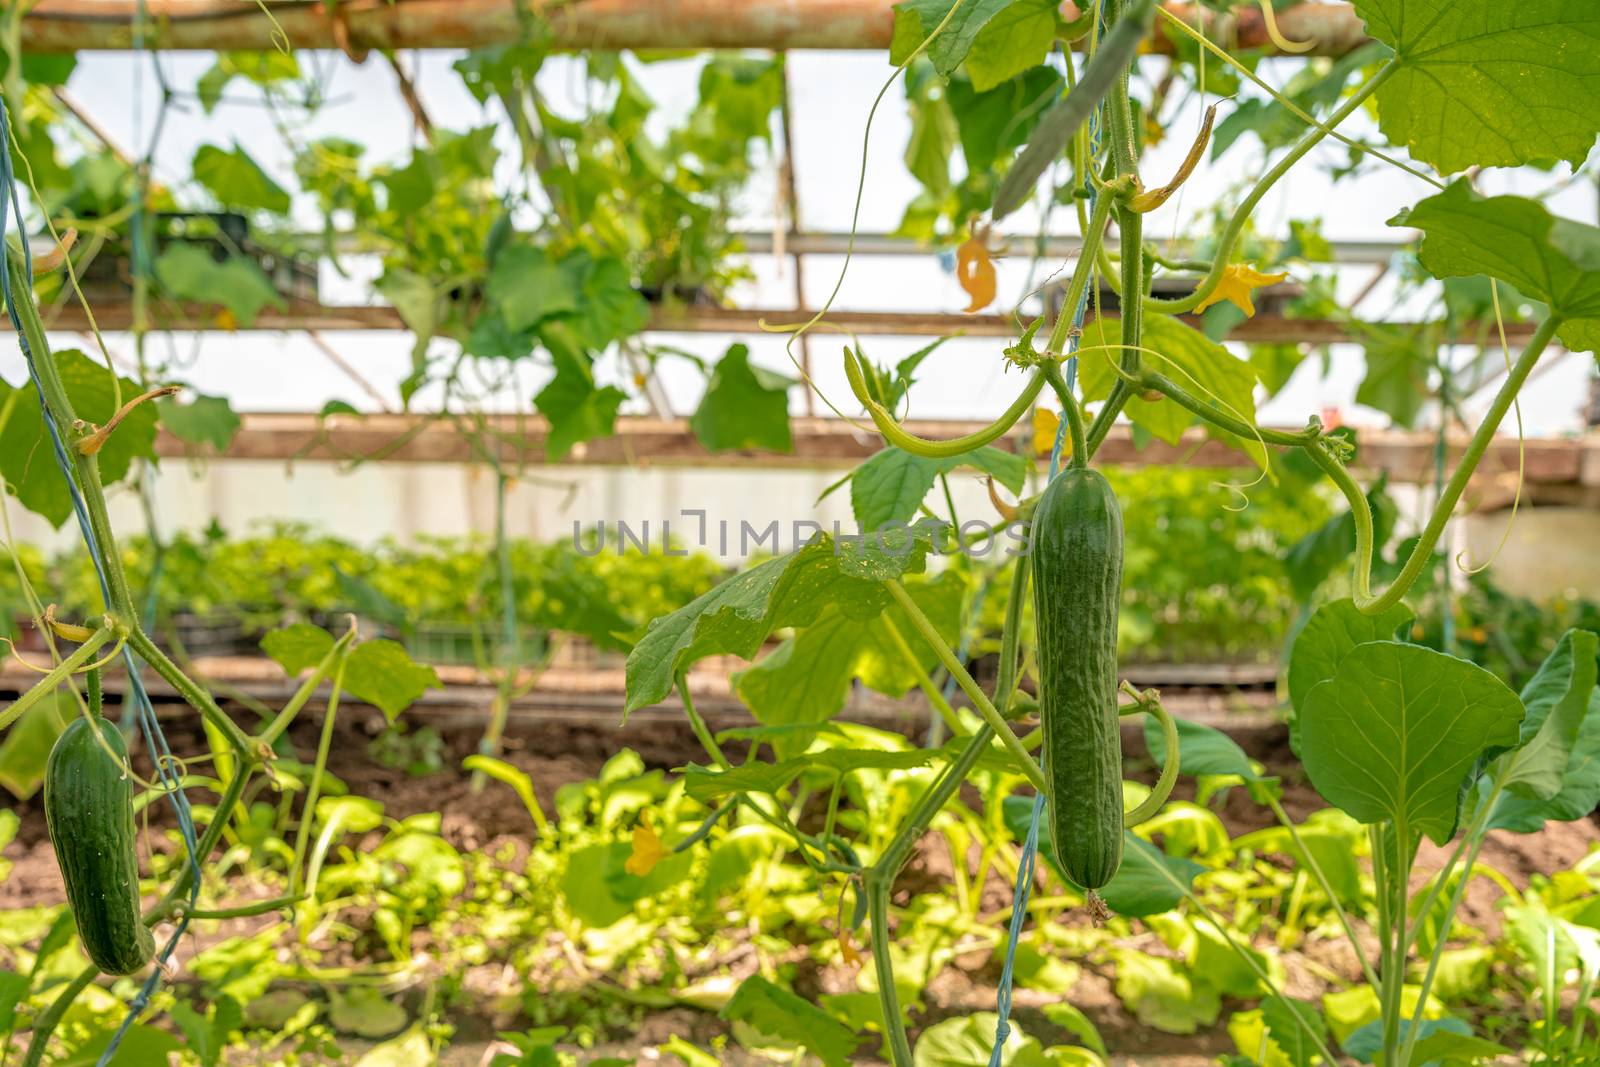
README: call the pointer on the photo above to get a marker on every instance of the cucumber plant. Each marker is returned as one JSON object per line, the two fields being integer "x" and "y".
{"x": 1412, "y": 742}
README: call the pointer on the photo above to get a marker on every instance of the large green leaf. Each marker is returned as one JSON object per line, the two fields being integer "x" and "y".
{"x": 1489, "y": 84}
{"x": 238, "y": 181}
{"x": 775, "y": 1012}
{"x": 914, "y": 20}
{"x": 298, "y": 647}
{"x": 808, "y": 677}
{"x": 1580, "y": 785}
{"x": 27, "y": 459}
{"x": 528, "y": 287}
{"x": 383, "y": 674}
{"x": 188, "y": 272}
{"x": 576, "y": 408}
{"x": 892, "y": 483}
{"x": 1197, "y": 364}
{"x": 1328, "y": 636}
{"x": 205, "y": 420}
{"x": 1015, "y": 40}
{"x": 28, "y": 741}
{"x": 736, "y": 617}
{"x": 1296, "y": 1027}
{"x": 744, "y": 407}
{"x": 968, "y": 1041}
{"x": 1519, "y": 241}
{"x": 1557, "y": 699}
{"x": 995, "y": 122}
{"x": 1393, "y": 734}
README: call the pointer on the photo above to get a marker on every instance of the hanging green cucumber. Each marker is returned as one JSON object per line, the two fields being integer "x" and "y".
{"x": 88, "y": 806}
{"x": 1077, "y": 588}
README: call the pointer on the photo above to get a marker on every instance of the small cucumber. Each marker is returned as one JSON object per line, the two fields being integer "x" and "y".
{"x": 88, "y": 806}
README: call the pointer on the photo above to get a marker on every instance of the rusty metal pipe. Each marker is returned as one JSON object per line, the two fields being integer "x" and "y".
{"x": 356, "y": 25}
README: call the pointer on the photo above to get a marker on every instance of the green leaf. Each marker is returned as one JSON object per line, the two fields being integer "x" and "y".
{"x": 141, "y": 1046}
{"x": 204, "y": 420}
{"x": 528, "y": 287}
{"x": 415, "y": 298}
{"x": 576, "y": 409}
{"x": 709, "y": 784}
{"x": 1331, "y": 848}
{"x": 775, "y": 1012}
{"x": 408, "y": 1050}
{"x": 189, "y": 272}
{"x": 609, "y": 307}
{"x": 1516, "y": 240}
{"x": 27, "y": 458}
{"x": 207, "y": 1035}
{"x": 1148, "y": 882}
{"x": 238, "y": 181}
{"x": 383, "y": 674}
{"x": 1453, "y": 1048}
{"x": 891, "y": 484}
{"x": 1201, "y": 366}
{"x": 807, "y": 679}
{"x": 13, "y": 987}
{"x": 995, "y": 123}
{"x": 1488, "y": 84}
{"x": 1162, "y": 996}
{"x": 1014, "y": 40}
{"x": 27, "y": 743}
{"x": 298, "y": 647}
{"x": 1394, "y": 733}
{"x": 1580, "y": 785}
{"x": 1275, "y": 364}
{"x": 968, "y": 1041}
{"x": 744, "y": 407}
{"x": 1396, "y": 382}
{"x": 914, "y": 20}
{"x": 1328, "y": 636}
{"x": 1289, "y": 1024}
{"x": 1557, "y": 699}
{"x": 736, "y": 616}
{"x": 1201, "y": 750}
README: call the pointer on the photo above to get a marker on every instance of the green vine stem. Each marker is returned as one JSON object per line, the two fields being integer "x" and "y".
{"x": 898, "y": 436}
{"x": 879, "y": 879}
{"x": 1236, "y": 224}
{"x": 302, "y": 696}
{"x": 1365, "y": 600}
{"x": 974, "y": 692}
{"x": 1149, "y": 703}
{"x": 1326, "y": 886}
{"x": 60, "y": 673}
{"x": 1079, "y": 457}
{"x": 308, "y": 813}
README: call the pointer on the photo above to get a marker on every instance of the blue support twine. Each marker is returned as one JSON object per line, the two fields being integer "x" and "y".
{"x": 155, "y": 739}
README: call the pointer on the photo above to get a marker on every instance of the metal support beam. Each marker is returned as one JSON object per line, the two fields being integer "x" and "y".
{"x": 359, "y": 25}
{"x": 1262, "y": 329}
{"x": 827, "y": 444}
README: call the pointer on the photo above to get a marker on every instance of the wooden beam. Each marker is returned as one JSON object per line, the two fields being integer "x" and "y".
{"x": 360, "y": 25}
{"x": 299, "y": 315}
{"x": 820, "y": 444}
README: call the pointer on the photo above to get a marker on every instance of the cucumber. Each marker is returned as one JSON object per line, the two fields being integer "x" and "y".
{"x": 1077, "y": 588}
{"x": 88, "y": 806}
